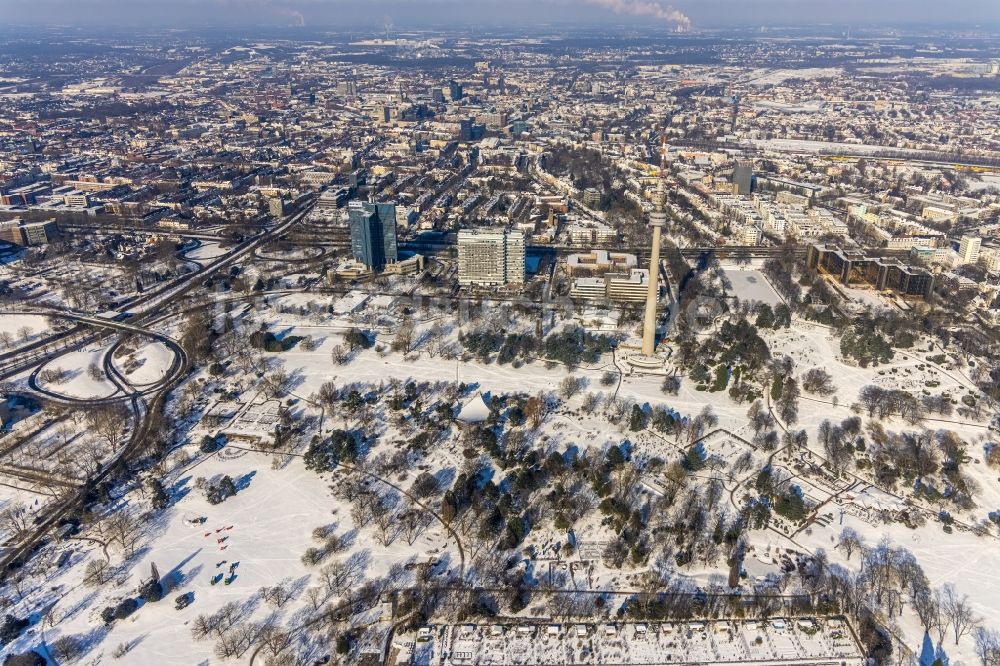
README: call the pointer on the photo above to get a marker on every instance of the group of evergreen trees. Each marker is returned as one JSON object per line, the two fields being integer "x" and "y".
{"x": 572, "y": 346}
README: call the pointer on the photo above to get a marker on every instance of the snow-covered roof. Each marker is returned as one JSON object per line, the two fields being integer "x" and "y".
{"x": 474, "y": 411}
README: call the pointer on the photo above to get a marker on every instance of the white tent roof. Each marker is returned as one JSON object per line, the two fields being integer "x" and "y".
{"x": 873, "y": 498}
{"x": 474, "y": 411}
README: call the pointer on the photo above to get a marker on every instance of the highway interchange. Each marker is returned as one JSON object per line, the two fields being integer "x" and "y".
{"x": 145, "y": 402}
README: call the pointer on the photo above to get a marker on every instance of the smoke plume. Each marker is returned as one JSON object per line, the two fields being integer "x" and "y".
{"x": 646, "y": 8}
{"x": 297, "y": 19}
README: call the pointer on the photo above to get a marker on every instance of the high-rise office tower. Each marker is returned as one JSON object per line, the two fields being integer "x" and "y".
{"x": 276, "y": 206}
{"x": 742, "y": 177}
{"x": 454, "y": 91}
{"x": 490, "y": 257}
{"x": 373, "y": 233}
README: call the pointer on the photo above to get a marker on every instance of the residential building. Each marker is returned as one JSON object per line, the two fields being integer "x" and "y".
{"x": 28, "y": 234}
{"x": 851, "y": 267}
{"x": 587, "y": 234}
{"x": 990, "y": 259}
{"x": 76, "y": 199}
{"x": 968, "y": 249}
{"x": 490, "y": 257}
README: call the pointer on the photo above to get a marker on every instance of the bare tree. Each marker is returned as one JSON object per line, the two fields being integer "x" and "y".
{"x": 220, "y": 622}
{"x": 327, "y": 394}
{"x": 414, "y": 523}
{"x": 316, "y": 597}
{"x": 535, "y": 410}
{"x": 67, "y": 648}
{"x": 435, "y": 339}
{"x": 818, "y": 381}
{"x": 277, "y": 595}
{"x": 96, "y": 573}
{"x": 591, "y": 401}
{"x": 987, "y": 646}
{"x": 276, "y": 384}
{"x": 109, "y": 421}
{"x": 387, "y": 527}
{"x": 570, "y": 386}
{"x": 95, "y": 373}
{"x": 273, "y": 640}
{"x": 850, "y": 541}
{"x": 403, "y": 341}
{"x": 53, "y": 375}
{"x": 14, "y": 519}
{"x": 121, "y": 529}
{"x": 237, "y": 641}
{"x": 339, "y": 355}
{"x": 959, "y": 612}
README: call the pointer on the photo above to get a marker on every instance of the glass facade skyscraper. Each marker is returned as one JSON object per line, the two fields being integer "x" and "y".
{"x": 373, "y": 233}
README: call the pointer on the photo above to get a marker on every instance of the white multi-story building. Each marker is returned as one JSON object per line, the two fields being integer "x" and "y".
{"x": 76, "y": 199}
{"x": 490, "y": 257}
{"x": 600, "y": 261}
{"x": 587, "y": 234}
{"x": 747, "y": 235}
{"x": 631, "y": 287}
{"x": 990, "y": 259}
{"x": 968, "y": 249}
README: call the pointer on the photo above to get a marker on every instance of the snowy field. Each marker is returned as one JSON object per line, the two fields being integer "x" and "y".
{"x": 23, "y": 328}
{"x": 79, "y": 383}
{"x": 255, "y": 538}
{"x": 778, "y": 76}
{"x": 299, "y": 253}
{"x": 969, "y": 562}
{"x": 750, "y": 285}
{"x": 147, "y": 365}
{"x": 207, "y": 250}
{"x": 809, "y": 345}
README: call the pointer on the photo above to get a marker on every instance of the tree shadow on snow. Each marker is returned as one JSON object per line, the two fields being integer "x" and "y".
{"x": 445, "y": 477}
{"x": 243, "y": 482}
{"x": 176, "y": 576}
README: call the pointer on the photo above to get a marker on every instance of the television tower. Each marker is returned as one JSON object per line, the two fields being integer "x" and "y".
{"x": 657, "y": 220}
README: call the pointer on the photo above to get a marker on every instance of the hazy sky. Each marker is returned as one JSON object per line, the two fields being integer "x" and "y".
{"x": 185, "y": 13}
